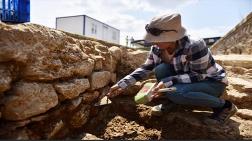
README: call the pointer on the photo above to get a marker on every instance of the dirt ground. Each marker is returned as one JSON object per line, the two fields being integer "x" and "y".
{"x": 134, "y": 122}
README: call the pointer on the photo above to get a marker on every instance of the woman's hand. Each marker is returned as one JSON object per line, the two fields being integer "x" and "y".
{"x": 114, "y": 91}
{"x": 155, "y": 93}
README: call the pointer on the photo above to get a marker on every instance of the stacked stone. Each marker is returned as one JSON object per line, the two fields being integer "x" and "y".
{"x": 236, "y": 41}
{"x": 50, "y": 77}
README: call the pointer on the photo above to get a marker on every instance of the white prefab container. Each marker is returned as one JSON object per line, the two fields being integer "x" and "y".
{"x": 87, "y": 26}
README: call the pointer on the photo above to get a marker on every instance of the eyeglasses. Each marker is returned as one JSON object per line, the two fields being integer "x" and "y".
{"x": 155, "y": 31}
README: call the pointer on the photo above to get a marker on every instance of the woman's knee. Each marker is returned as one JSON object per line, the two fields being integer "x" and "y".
{"x": 180, "y": 96}
{"x": 162, "y": 71}
{"x": 220, "y": 90}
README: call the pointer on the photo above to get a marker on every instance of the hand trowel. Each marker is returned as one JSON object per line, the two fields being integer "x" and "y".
{"x": 104, "y": 100}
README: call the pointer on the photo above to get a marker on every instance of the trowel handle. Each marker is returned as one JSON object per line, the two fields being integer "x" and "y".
{"x": 171, "y": 89}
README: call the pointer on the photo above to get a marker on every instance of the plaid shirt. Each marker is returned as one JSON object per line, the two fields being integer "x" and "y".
{"x": 192, "y": 62}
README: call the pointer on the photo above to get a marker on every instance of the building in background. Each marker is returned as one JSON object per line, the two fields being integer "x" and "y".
{"x": 210, "y": 41}
{"x": 141, "y": 44}
{"x": 87, "y": 26}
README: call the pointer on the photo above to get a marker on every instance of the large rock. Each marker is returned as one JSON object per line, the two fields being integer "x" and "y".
{"x": 45, "y": 54}
{"x": 72, "y": 88}
{"x": 51, "y": 68}
{"x": 29, "y": 99}
{"x": 13, "y": 51}
{"x": 108, "y": 61}
{"x": 130, "y": 61}
{"x": 100, "y": 79}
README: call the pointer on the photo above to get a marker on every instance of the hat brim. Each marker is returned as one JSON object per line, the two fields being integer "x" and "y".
{"x": 166, "y": 36}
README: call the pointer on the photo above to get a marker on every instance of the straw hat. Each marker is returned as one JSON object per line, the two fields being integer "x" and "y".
{"x": 165, "y": 28}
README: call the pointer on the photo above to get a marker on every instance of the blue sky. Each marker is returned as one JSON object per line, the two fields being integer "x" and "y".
{"x": 201, "y": 18}
{"x": 216, "y": 12}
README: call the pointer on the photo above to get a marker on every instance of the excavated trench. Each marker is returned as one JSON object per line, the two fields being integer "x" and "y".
{"x": 123, "y": 119}
{"x": 132, "y": 122}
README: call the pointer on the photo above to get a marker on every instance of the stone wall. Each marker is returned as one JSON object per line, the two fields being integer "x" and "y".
{"x": 236, "y": 41}
{"x": 50, "y": 81}
{"x": 52, "y": 78}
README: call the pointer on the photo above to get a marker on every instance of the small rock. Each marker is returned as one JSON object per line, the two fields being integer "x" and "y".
{"x": 75, "y": 103}
{"x": 58, "y": 127}
{"x": 245, "y": 114}
{"x": 39, "y": 118}
{"x": 116, "y": 52}
{"x": 5, "y": 79}
{"x": 98, "y": 63}
{"x": 101, "y": 48}
{"x": 109, "y": 63}
{"x": 88, "y": 136}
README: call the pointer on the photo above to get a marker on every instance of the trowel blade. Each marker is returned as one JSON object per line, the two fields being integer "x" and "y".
{"x": 104, "y": 101}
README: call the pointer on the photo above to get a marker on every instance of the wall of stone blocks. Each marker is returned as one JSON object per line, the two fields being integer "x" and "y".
{"x": 236, "y": 41}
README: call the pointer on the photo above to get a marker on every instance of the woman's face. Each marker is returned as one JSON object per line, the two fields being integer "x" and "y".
{"x": 169, "y": 46}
